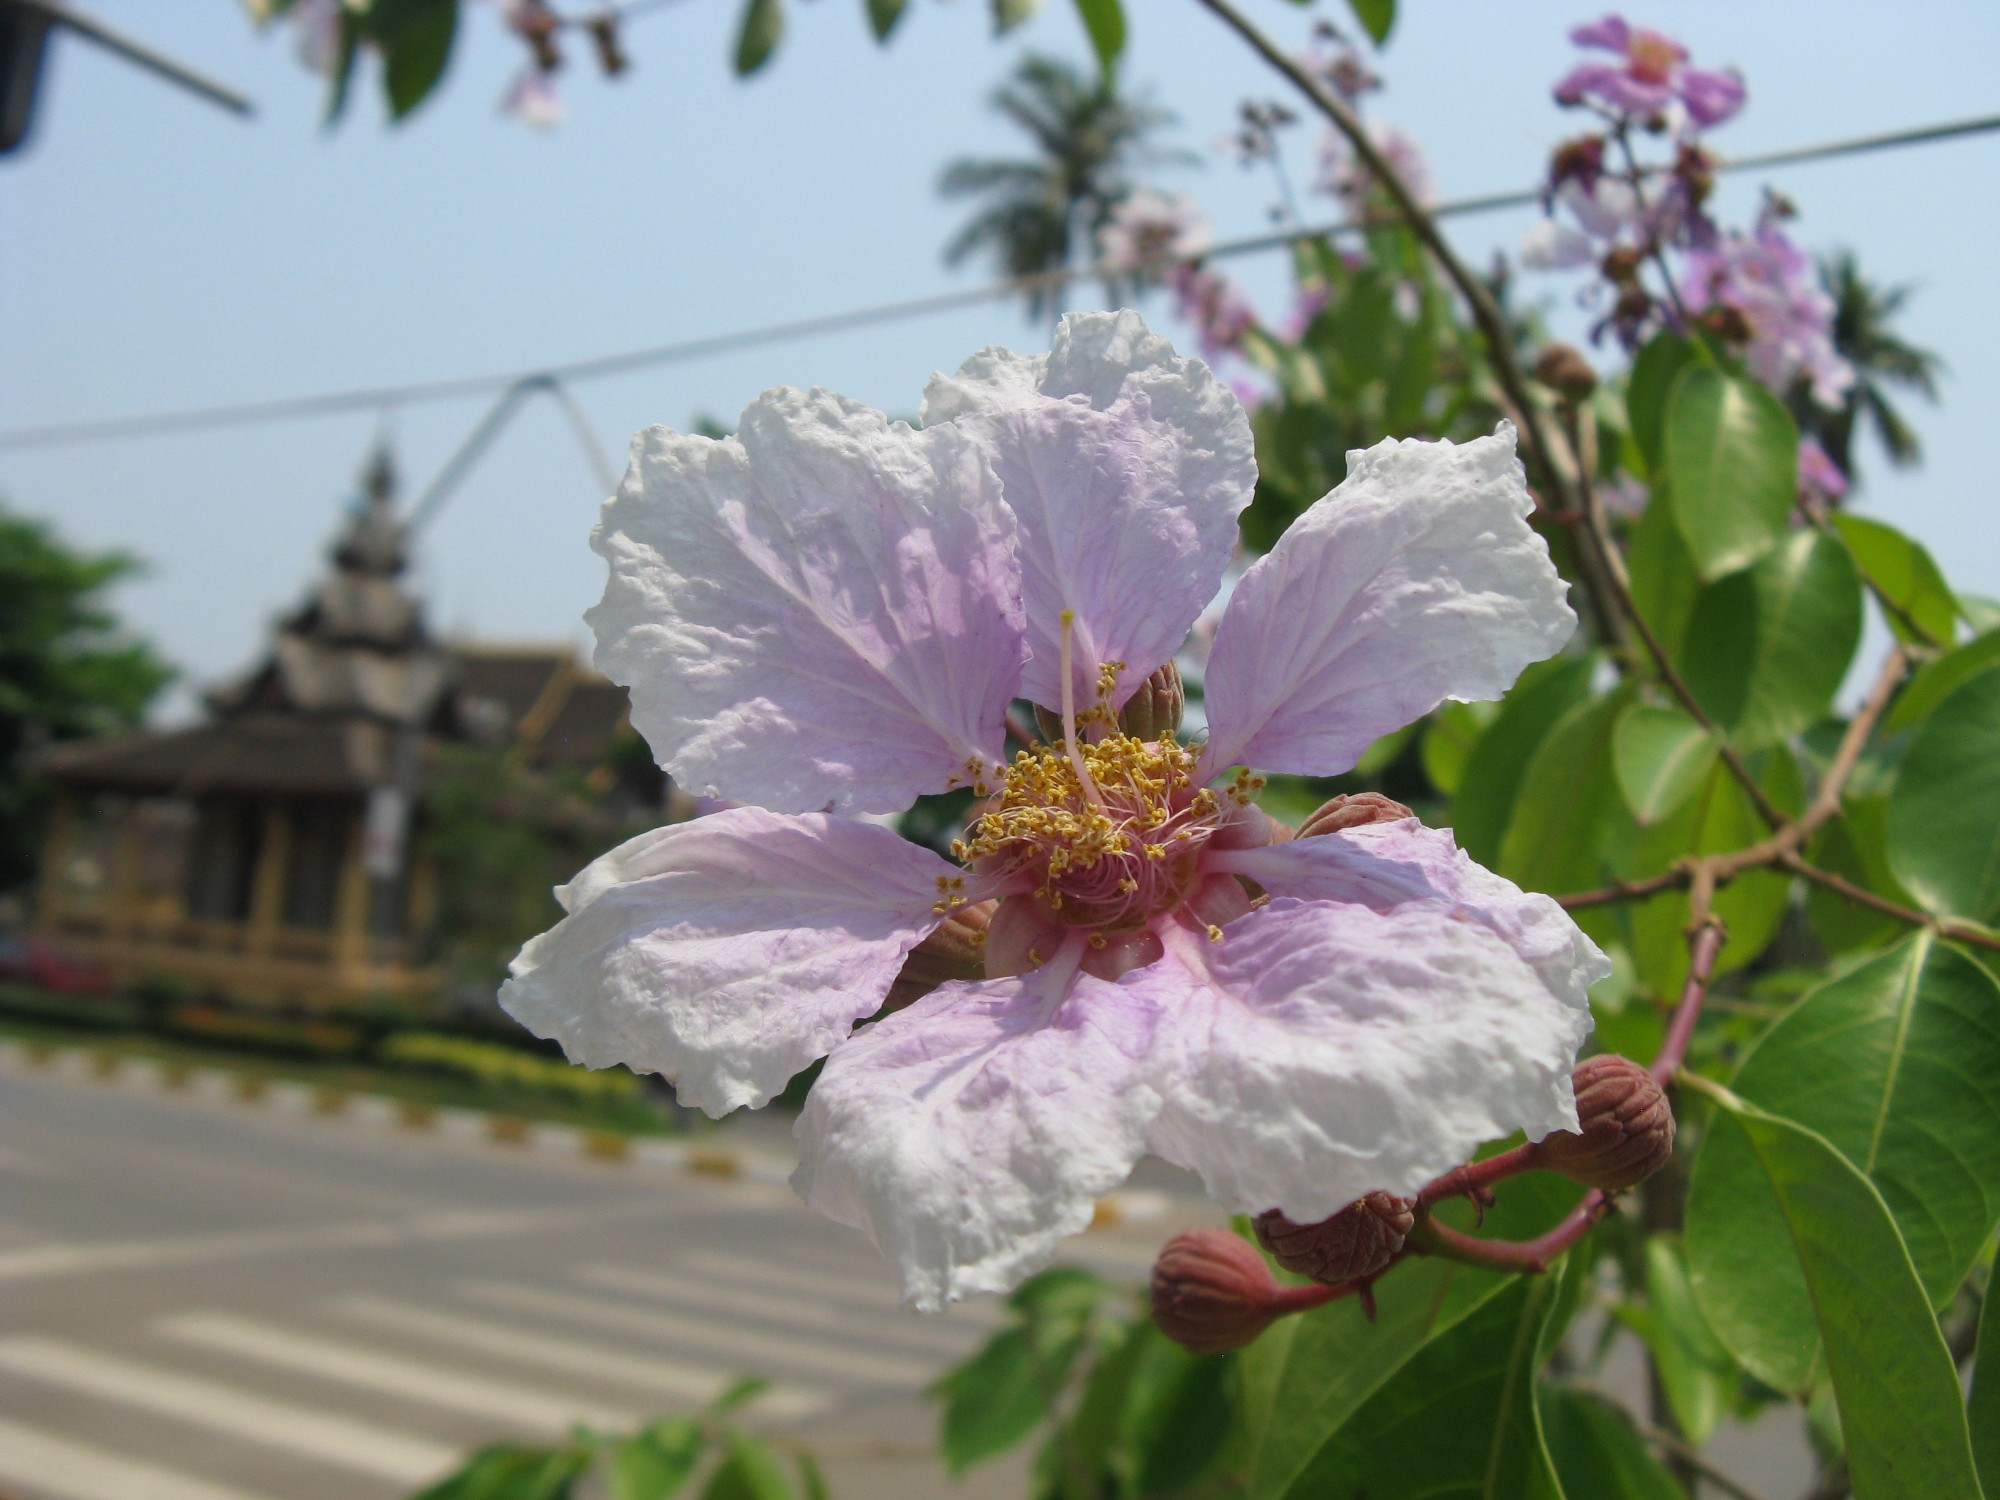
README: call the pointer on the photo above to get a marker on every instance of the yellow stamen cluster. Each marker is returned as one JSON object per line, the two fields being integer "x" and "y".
{"x": 1100, "y": 825}
{"x": 951, "y": 894}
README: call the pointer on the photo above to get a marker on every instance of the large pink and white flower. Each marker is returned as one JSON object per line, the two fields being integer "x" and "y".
{"x": 830, "y": 613}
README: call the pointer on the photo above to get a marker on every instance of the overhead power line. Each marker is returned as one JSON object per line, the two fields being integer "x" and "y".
{"x": 555, "y": 376}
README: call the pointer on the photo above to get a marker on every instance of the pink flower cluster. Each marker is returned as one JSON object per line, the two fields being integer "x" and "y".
{"x": 1760, "y": 290}
{"x": 1650, "y": 77}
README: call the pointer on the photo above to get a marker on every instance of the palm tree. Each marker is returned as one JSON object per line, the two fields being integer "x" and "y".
{"x": 1039, "y": 213}
{"x": 1862, "y": 314}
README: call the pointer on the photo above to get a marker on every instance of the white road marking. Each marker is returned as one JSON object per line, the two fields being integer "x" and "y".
{"x": 65, "y": 1470}
{"x": 702, "y": 1293}
{"x": 362, "y": 1446}
{"x": 392, "y": 1374}
{"x": 744, "y": 1347}
{"x": 648, "y": 1373}
{"x": 873, "y": 1294}
{"x": 84, "y": 1257}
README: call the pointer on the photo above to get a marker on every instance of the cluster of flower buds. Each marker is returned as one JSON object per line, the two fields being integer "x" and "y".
{"x": 1213, "y": 1292}
{"x": 1564, "y": 370}
{"x": 1352, "y": 810}
{"x": 532, "y": 96}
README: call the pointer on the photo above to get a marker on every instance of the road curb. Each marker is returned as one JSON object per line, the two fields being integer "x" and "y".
{"x": 492, "y": 1129}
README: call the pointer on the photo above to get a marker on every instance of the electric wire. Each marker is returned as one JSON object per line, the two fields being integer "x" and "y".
{"x": 555, "y": 377}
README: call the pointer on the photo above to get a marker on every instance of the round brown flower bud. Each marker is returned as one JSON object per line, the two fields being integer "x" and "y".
{"x": 1628, "y": 1127}
{"x": 1353, "y": 810}
{"x": 1564, "y": 370}
{"x": 1212, "y": 1292}
{"x": 1361, "y": 1240}
{"x": 1154, "y": 712}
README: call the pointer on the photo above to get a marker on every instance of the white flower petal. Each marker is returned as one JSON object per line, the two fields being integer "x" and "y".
{"x": 1384, "y": 865}
{"x": 822, "y": 612}
{"x": 1415, "y": 581}
{"x": 1320, "y": 1051}
{"x": 970, "y": 1133}
{"x": 727, "y": 953}
{"x": 1127, "y": 467}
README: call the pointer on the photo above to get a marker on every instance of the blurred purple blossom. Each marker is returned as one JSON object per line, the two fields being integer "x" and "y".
{"x": 1819, "y": 475}
{"x": 532, "y": 99}
{"x": 1148, "y": 231}
{"x": 1765, "y": 286}
{"x": 1652, "y": 74}
{"x": 1343, "y": 176}
{"x": 1211, "y": 302}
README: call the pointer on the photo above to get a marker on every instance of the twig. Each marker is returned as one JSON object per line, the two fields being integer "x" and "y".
{"x": 1626, "y": 890}
{"x": 1962, "y": 932}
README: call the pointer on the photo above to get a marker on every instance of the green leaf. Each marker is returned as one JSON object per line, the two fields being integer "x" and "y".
{"x": 992, "y": 1401}
{"x": 513, "y": 1473}
{"x": 1731, "y": 455}
{"x": 1104, "y": 20}
{"x": 1935, "y": 681}
{"x": 656, "y": 1461}
{"x": 1661, "y": 756}
{"x": 1483, "y": 805}
{"x": 743, "y": 1390}
{"x": 1856, "y": 845}
{"x": 1307, "y": 1377}
{"x": 1944, "y": 816}
{"x": 1897, "y": 1065}
{"x": 1646, "y": 391}
{"x": 1460, "y": 1418}
{"x": 1569, "y": 803}
{"x": 883, "y": 16}
{"x": 414, "y": 38}
{"x": 1665, "y": 584}
{"x": 1696, "y": 1371}
{"x": 758, "y": 34}
{"x": 1376, "y": 17}
{"x": 1905, "y": 572}
{"x": 749, "y": 1471}
{"x": 1900, "y": 1403}
{"x": 812, "y": 1482}
{"x": 1178, "y": 1417}
{"x": 1596, "y": 1451}
{"x": 1449, "y": 735}
{"x": 1767, "y": 648}
{"x": 1982, "y": 1407}
{"x": 1007, "y": 14}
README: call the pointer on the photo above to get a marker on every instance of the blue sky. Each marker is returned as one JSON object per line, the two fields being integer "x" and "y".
{"x": 160, "y": 254}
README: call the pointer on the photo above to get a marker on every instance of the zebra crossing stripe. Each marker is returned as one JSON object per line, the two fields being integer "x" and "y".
{"x": 362, "y": 1446}
{"x": 392, "y": 1374}
{"x": 65, "y": 1470}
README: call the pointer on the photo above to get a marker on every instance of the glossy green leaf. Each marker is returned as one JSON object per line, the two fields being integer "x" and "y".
{"x": 414, "y": 38}
{"x": 1307, "y": 1377}
{"x": 1900, "y": 1404}
{"x": 883, "y": 16}
{"x": 1856, "y": 845}
{"x": 1937, "y": 680}
{"x": 1177, "y": 1419}
{"x": 1665, "y": 584}
{"x": 758, "y": 34}
{"x": 1661, "y": 757}
{"x": 992, "y": 1401}
{"x": 1104, "y": 22}
{"x": 1897, "y": 1065}
{"x": 1731, "y": 455}
{"x": 1767, "y": 648}
{"x": 1718, "y": 818}
{"x": 1944, "y": 817}
{"x": 1483, "y": 805}
{"x": 655, "y": 1462}
{"x": 513, "y": 1473}
{"x": 740, "y": 1392}
{"x": 1654, "y": 371}
{"x": 1982, "y": 1407}
{"x": 1449, "y": 735}
{"x": 1007, "y": 14}
{"x": 1905, "y": 572}
{"x": 1568, "y": 803}
{"x": 1696, "y": 1370}
{"x": 1460, "y": 1418}
{"x": 749, "y": 1471}
{"x": 1596, "y": 1451}
{"x": 1377, "y": 18}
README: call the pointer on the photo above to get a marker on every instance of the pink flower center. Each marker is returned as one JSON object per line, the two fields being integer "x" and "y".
{"x": 1651, "y": 58}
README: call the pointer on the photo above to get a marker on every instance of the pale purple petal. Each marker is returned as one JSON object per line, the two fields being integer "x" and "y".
{"x": 1611, "y": 33}
{"x": 727, "y": 953}
{"x": 968, "y": 1134}
{"x": 1711, "y": 97}
{"x": 1127, "y": 467}
{"x": 1320, "y": 1051}
{"x": 821, "y": 612}
{"x": 1614, "y": 86}
{"x": 1386, "y": 865}
{"x": 1417, "y": 580}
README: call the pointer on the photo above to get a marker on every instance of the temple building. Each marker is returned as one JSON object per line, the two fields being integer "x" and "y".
{"x": 266, "y": 854}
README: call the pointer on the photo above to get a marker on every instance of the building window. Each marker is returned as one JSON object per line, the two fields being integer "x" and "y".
{"x": 227, "y": 837}
{"x": 312, "y": 867}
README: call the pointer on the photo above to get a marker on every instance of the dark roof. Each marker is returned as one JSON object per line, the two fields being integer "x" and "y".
{"x": 284, "y": 754}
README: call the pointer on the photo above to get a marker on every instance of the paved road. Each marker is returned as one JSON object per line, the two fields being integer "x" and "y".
{"x": 201, "y": 1300}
